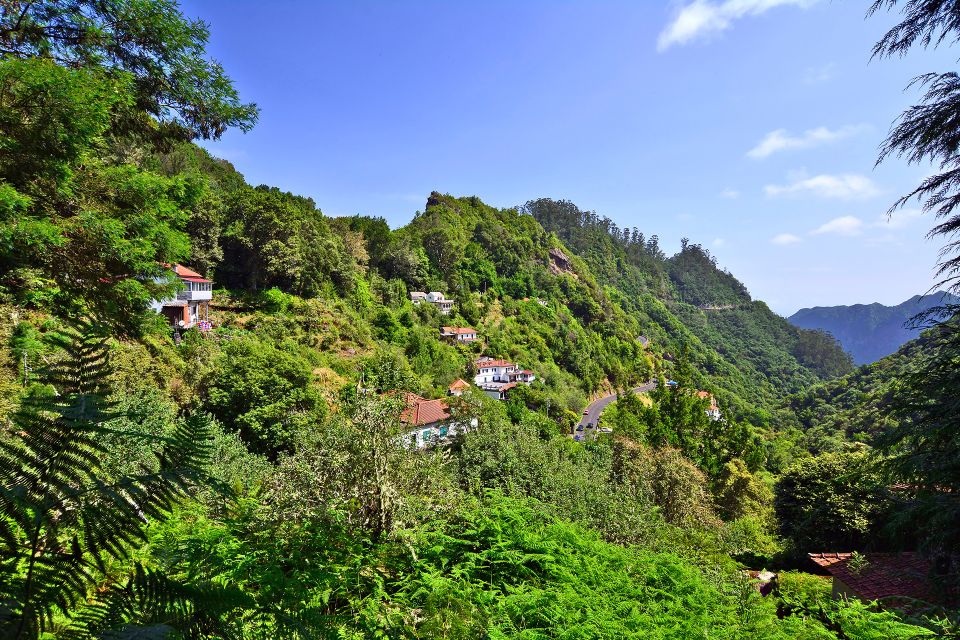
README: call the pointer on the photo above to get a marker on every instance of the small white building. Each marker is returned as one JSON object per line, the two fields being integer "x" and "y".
{"x": 458, "y": 387}
{"x": 712, "y": 410}
{"x": 444, "y": 304}
{"x": 458, "y": 334}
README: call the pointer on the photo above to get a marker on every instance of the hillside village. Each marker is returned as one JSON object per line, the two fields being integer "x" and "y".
{"x": 225, "y": 413}
{"x": 430, "y": 421}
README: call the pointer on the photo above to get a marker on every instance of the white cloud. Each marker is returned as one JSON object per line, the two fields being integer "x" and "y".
{"x": 785, "y": 238}
{"x": 842, "y": 187}
{"x": 701, "y": 18}
{"x": 719, "y": 242}
{"x": 842, "y": 226}
{"x": 729, "y": 193}
{"x": 781, "y": 140}
{"x": 816, "y": 75}
{"x": 899, "y": 219}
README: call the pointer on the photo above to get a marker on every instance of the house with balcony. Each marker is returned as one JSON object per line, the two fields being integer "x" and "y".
{"x": 458, "y": 334}
{"x": 437, "y": 299}
{"x": 496, "y": 377}
{"x": 192, "y": 302}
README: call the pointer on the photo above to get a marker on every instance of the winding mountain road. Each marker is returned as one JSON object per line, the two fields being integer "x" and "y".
{"x": 595, "y": 408}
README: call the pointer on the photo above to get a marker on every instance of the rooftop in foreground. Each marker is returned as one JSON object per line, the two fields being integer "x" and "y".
{"x": 884, "y": 576}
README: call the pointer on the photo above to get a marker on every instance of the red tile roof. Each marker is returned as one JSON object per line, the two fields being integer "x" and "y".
{"x": 186, "y": 274}
{"x": 458, "y": 384}
{"x": 494, "y": 363}
{"x": 885, "y": 575}
{"x": 457, "y": 330}
{"x": 420, "y": 412}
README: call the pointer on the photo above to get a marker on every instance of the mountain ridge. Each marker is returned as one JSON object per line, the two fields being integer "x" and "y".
{"x": 872, "y": 331}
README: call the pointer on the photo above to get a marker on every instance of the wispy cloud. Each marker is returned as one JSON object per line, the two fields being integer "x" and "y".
{"x": 719, "y": 242}
{"x": 700, "y": 18}
{"x": 785, "y": 238}
{"x": 840, "y": 187}
{"x": 842, "y": 226}
{"x": 899, "y": 219}
{"x": 730, "y": 193}
{"x": 816, "y": 75}
{"x": 781, "y": 140}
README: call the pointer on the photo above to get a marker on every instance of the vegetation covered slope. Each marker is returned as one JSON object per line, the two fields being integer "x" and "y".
{"x": 871, "y": 331}
{"x": 255, "y": 480}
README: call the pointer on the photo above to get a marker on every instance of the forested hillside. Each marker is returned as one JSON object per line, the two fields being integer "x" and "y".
{"x": 253, "y": 475}
{"x": 871, "y": 331}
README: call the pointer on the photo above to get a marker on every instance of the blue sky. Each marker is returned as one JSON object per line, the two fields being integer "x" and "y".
{"x": 749, "y": 126}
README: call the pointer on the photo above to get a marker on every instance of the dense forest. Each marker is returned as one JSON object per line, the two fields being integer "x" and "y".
{"x": 254, "y": 478}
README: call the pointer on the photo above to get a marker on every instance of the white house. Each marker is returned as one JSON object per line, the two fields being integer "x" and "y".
{"x": 191, "y": 304}
{"x": 430, "y": 422}
{"x": 438, "y": 300}
{"x": 444, "y": 304}
{"x": 713, "y": 410}
{"x": 497, "y": 377}
{"x": 458, "y": 334}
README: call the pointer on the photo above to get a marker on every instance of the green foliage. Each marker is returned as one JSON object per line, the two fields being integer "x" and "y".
{"x": 834, "y": 502}
{"x": 739, "y": 493}
{"x": 809, "y": 597}
{"x": 265, "y": 393}
{"x": 923, "y": 450}
{"x": 699, "y": 281}
{"x": 823, "y": 353}
{"x": 64, "y": 517}
{"x": 50, "y": 118}
{"x": 275, "y": 239}
{"x": 149, "y": 40}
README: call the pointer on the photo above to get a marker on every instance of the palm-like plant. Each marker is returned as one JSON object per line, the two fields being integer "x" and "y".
{"x": 62, "y": 519}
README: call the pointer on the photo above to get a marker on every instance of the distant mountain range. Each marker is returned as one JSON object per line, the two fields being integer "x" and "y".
{"x": 870, "y": 331}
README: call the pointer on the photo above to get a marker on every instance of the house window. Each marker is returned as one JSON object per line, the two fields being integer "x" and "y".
{"x": 443, "y": 432}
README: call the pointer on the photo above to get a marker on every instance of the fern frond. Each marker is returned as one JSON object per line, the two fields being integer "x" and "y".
{"x": 149, "y": 604}
{"x": 62, "y": 518}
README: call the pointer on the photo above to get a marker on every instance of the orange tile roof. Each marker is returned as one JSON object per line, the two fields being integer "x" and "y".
{"x": 885, "y": 575}
{"x": 457, "y": 330}
{"x": 458, "y": 384}
{"x": 494, "y": 363}
{"x": 420, "y": 412}
{"x": 706, "y": 395}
